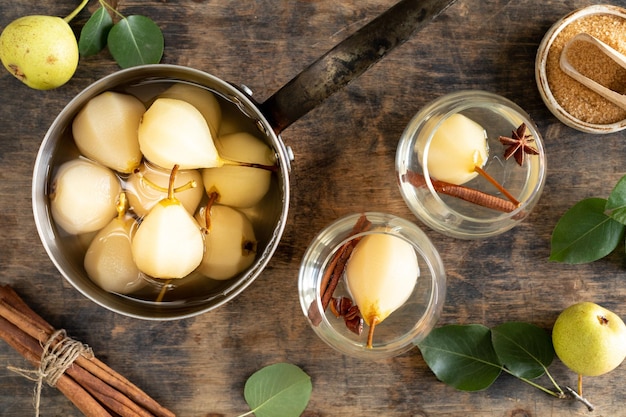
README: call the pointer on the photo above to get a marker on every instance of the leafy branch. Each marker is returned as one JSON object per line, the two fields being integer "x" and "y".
{"x": 591, "y": 229}
{"x": 133, "y": 40}
{"x": 471, "y": 357}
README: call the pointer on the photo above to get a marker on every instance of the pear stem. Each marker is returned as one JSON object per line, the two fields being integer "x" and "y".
{"x": 121, "y": 205}
{"x": 580, "y": 385}
{"x": 272, "y": 168}
{"x": 161, "y": 295}
{"x": 497, "y": 185}
{"x": 77, "y": 10}
{"x": 580, "y": 398}
{"x": 207, "y": 211}
{"x": 106, "y": 5}
{"x": 370, "y": 333}
{"x": 170, "y": 188}
{"x": 187, "y": 186}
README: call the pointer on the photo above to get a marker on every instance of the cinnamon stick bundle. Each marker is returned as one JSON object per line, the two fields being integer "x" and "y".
{"x": 93, "y": 387}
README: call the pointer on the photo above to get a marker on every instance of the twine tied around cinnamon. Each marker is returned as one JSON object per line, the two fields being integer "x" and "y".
{"x": 56, "y": 358}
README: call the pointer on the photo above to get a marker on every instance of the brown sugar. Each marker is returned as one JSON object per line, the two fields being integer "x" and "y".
{"x": 573, "y": 97}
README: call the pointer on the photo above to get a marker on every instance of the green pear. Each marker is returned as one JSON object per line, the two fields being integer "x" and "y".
{"x": 40, "y": 51}
{"x": 589, "y": 339}
{"x": 105, "y": 130}
{"x": 380, "y": 275}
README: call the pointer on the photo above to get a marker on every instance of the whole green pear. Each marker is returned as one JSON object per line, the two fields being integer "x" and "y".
{"x": 41, "y": 51}
{"x": 589, "y": 339}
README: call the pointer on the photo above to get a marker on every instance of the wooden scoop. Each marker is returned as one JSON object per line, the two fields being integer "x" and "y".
{"x": 620, "y": 59}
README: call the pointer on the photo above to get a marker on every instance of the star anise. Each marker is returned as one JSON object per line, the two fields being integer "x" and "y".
{"x": 518, "y": 144}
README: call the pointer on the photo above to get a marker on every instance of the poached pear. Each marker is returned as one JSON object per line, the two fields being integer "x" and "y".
{"x": 201, "y": 98}
{"x": 83, "y": 196}
{"x": 168, "y": 243}
{"x": 105, "y": 130}
{"x": 230, "y": 242}
{"x": 148, "y": 184}
{"x": 109, "y": 260}
{"x": 380, "y": 275}
{"x": 457, "y": 147}
{"x": 174, "y": 132}
{"x": 240, "y": 186}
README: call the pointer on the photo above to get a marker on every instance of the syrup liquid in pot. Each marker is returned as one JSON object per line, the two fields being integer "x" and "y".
{"x": 194, "y": 288}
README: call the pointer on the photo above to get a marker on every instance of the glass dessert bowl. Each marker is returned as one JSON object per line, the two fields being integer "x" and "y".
{"x": 336, "y": 303}
{"x": 471, "y": 164}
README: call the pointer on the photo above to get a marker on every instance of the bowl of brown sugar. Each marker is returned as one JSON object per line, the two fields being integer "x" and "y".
{"x": 569, "y": 100}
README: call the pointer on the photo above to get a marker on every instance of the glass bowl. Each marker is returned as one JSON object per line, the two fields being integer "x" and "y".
{"x": 477, "y": 208}
{"x": 403, "y": 328}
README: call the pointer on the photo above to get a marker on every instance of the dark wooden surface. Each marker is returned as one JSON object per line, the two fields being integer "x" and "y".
{"x": 344, "y": 163}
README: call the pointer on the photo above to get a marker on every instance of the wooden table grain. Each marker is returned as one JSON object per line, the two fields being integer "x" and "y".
{"x": 344, "y": 163}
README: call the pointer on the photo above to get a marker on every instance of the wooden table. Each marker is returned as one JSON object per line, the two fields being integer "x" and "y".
{"x": 344, "y": 163}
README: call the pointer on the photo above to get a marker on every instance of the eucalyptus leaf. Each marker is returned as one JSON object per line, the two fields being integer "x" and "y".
{"x": 585, "y": 233}
{"x": 462, "y": 356}
{"x": 279, "y": 390}
{"x": 524, "y": 349}
{"x": 136, "y": 40}
{"x": 93, "y": 36}
{"x": 616, "y": 203}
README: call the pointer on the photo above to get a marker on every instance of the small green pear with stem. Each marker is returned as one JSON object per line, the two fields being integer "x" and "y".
{"x": 589, "y": 339}
{"x": 380, "y": 275}
{"x": 41, "y": 51}
{"x": 168, "y": 243}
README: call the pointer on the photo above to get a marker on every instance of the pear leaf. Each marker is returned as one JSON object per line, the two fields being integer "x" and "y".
{"x": 616, "y": 203}
{"x": 279, "y": 390}
{"x": 93, "y": 36}
{"x": 462, "y": 356}
{"x": 135, "y": 40}
{"x": 585, "y": 233}
{"x": 524, "y": 349}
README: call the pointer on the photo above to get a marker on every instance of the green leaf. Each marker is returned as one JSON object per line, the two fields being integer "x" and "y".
{"x": 93, "y": 36}
{"x": 136, "y": 40}
{"x": 279, "y": 390}
{"x": 616, "y": 203}
{"x": 523, "y": 348}
{"x": 462, "y": 356}
{"x": 585, "y": 233}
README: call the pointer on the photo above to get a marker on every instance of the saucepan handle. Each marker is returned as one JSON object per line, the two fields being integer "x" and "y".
{"x": 349, "y": 59}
